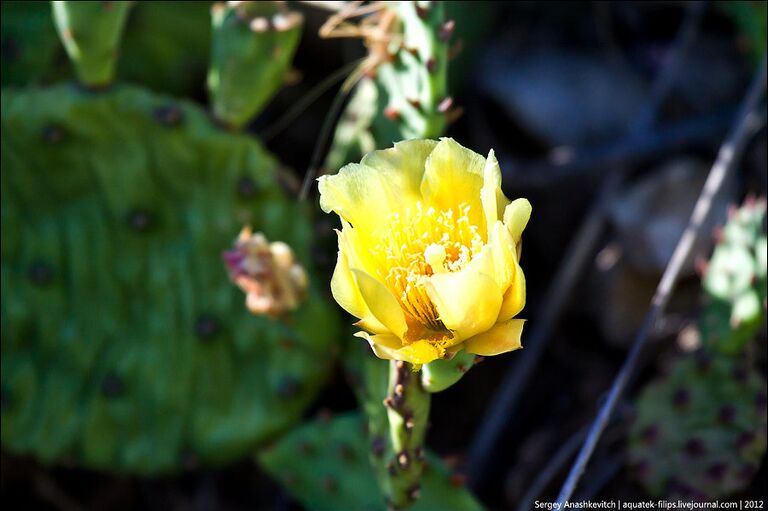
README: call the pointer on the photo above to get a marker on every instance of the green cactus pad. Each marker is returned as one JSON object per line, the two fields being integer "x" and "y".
{"x": 125, "y": 346}
{"x": 700, "y": 432}
{"x": 735, "y": 282}
{"x": 252, "y": 47}
{"x": 325, "y": 466}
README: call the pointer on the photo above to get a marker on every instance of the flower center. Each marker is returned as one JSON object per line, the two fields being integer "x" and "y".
{"x": 420, "y": 243}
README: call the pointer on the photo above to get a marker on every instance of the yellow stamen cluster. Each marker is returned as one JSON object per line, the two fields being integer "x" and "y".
{"x": 419, "y": 243}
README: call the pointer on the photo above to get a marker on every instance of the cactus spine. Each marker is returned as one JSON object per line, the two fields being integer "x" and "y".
{"x": 91, "y": 33}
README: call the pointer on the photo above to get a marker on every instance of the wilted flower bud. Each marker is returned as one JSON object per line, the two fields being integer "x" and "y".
{"x": 273, "y": 281}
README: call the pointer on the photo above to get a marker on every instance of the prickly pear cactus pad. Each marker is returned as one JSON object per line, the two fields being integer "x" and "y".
{"x": 335, "y": 474}
{"x": 124, "y": 345}
{"x": 735, "y": 281}
{"x": 700, "y": 432}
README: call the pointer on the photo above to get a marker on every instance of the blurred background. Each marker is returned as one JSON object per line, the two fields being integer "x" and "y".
{"x": 133, "y": 376}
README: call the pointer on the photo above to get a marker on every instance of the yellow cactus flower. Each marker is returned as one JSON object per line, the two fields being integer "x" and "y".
{"x": 428, "y": 251}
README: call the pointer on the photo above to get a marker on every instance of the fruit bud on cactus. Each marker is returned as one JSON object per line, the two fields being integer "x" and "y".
{"x": 273, "y": 281}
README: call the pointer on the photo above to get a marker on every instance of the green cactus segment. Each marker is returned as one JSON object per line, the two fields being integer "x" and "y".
{"x": 334, "y": 472}
{"x": 125, "y": 347}
{"x": 91, "y": 33}
{"x": 251, "y": 50}
{"x": 441, "y": 374}
{"x": 412, "y": 88}
{"x": 408, "y": 413}
{"x": 700, "y": 432}
{"x": 410, "y": 98}
{"x": 735, "y": 282}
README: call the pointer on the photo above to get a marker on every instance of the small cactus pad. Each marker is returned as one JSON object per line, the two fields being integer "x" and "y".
{"x": 700, "y": 432}
{"x": 252, "y": 47}
{"x": 125, "y": 346}
{"x": 735, "y": 281}
{"x": 91, "y": 33}
{"x": 324, "y": 465}
{"x": 407, "y": 98}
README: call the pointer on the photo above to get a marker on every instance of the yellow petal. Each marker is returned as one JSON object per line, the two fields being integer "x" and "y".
{"x": 454, "y": 176}
{"x": 502, "y": 338}
{"x": 516, "y": 217}
{"x": 344, "y": 289}
{"x": 362, "y": 195}
{"x": 382, "y": 304}
{"x": 504, "y": 255}
{"x": 384, "y": 346}
{"x": 491, "y": 195}
{"x": 420, "y": 352}
{"x": 389, "y": 347}
{"x": 514, "y": 297}
{"x": 402, "y": 165}
{"x": 468, "y": 300}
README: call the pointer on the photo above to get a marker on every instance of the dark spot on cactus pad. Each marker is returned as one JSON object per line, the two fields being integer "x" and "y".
{"x": 141, "y": 220}
{"x": 716, "y": 471}
{"x": 107, "y": 6}
{"x": 168, "y": 115}
{"x": 305, "y": 448}
{"x": 290, "y": 479}
{"x": 414, "y": 492}
{"x": 206, "y": 326}
{"x": 760, "y": 401}
{"x": 703, "y": 361}
{"x": 479, "y": 358}
{"x": 727, "y": 414}
{"x": 695, "y": 448}
{"x": 391, "y": 470}
{"x": 681, "y": 398}
{"x": 52, "y": 134}
{"x": 650, "y": 433}
{"x": 378, "y": 444}
{"x": 431, "y": 64}
{"x": 330, "y": 484}
{"x": 287, "y": 343}
{"x": 40, "y": 273}
{"x": 246, "y": 187}
{"x": 746, "y": 472}
{"x": 640, "y": 469}
{"x": 420, "y": 454}
{"x": 288, "y": 387}
{"x": 462, "y": 368}
{"x": 739, "y": 374}
{"x": 421, "y": 11}
{"x": 745, "y": 439}
{"x": 446, "y": 30}
{"x": 345, "y": 451}
{"x": 10, "y": 49}
{"x": 458, "y": 480}
{"x": 112, "y": 385}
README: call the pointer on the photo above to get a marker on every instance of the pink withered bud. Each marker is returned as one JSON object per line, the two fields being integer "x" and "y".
{"x": 273, "y": 281}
